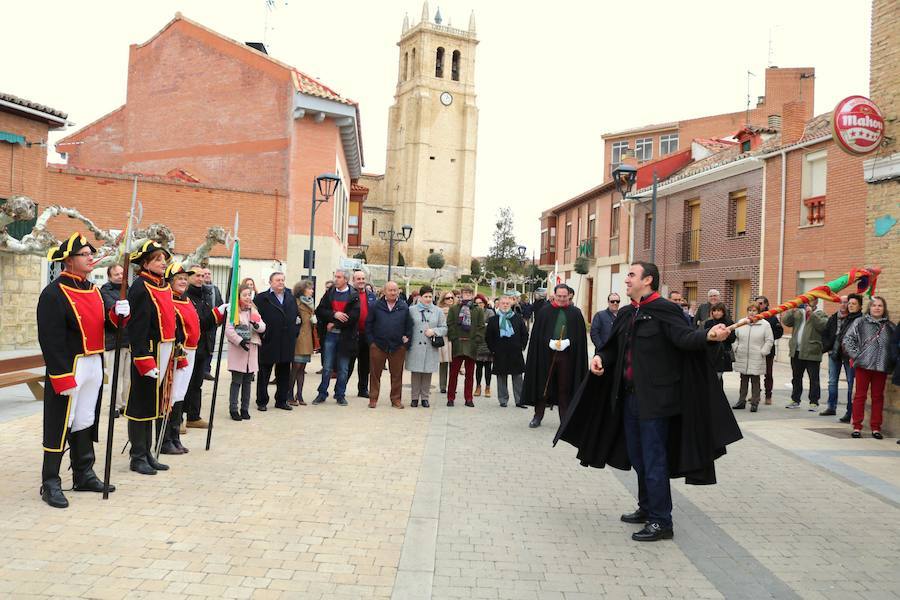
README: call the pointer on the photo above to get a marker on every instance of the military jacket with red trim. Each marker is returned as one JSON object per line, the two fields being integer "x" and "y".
{"x": 70, "y": 320}
{"x": 153, "y": 319}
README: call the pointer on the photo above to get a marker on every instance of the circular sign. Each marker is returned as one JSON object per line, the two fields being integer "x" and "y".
{"x": 857, "y": 125}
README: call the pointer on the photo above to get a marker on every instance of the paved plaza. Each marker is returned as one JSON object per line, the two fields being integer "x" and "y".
{"x": 332, "y": 502}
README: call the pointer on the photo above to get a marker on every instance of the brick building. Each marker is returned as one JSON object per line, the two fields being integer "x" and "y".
{"x": 708, "y": 221}
{"x": 23, "y": 158}
{"x": 239, "y": 121}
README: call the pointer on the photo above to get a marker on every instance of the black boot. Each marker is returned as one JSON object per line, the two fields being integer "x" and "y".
{"x": 151, "y": 460}
{"x": 139, "y": 446}
{"x": 740, "y": 405}
{"x": 168, "y": 445}
{"x": 177, "y": 416}
{"x": 81, "y": 453}
{"x": 51, "y": 484}
{"x": 414, "y": 403}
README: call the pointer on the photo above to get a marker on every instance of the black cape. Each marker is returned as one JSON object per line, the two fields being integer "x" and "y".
{"x": 697, "y": 437}
{"x": 540, "y": 356}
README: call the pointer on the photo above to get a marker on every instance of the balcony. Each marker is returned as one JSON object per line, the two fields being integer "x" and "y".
{"x": 548, "y": 258}
{"x": 586, "y": 247}
{"x": 689, "y": 246}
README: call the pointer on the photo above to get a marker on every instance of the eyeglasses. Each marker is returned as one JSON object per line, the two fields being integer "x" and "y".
{"x": 614, "y": 301}
{"x": 448, "y": 297}
{"x": 82, "y": 254}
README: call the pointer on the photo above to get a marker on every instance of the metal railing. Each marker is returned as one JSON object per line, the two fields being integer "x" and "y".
{"x": 689, "y": 244}
{"x": 586, "y": 247}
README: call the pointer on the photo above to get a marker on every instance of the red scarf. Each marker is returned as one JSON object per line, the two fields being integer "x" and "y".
{"x": 645, "y": 300}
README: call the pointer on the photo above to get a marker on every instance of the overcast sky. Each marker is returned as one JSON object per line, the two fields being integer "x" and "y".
{"x": 550, "y": 77}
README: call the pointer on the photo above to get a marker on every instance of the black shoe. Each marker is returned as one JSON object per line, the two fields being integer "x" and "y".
{"x": 245, "y": 415}
{"x": 319, "y": 399}
{"x": 639, "y": 516}
{"x": 503, "y": 404}
{"x": 653, "y": 532}
{"x": 235, "y": 415}
{"x": 828, "y": 412}
{"x": 155, "y": 464}
{"x": 449, "y": 402}
{"x": 140, "y": 465}
{"x": 414, "y": 403}
{"x": 740, "y": 405}
{"x": 520, "y": 405}
{"x": 425, "y": 404}
{"x": 877, "y": 435}
{"x": 209, "y": 377}
{"x": 51, "y": 493}
{"x": 169, "y": 448}
{"x": 261, "y": 407}
{"x": 845, "y": 418}
{"x": 856, "y": 434}
{"x": 444, "y": 391}
{"x": 535, "y": 422}
{"x": 180, "y": 446}
{"x": 754, "y": 407}
{"x": 363, "y": 394}
{"x": 284, "y": 406}
{"x": 470, "y": 403}
{"x": 342, "y": 401}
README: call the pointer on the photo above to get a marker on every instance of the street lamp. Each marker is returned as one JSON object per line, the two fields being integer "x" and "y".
{"x": 391, "y": 237}
{"x": 326, "y": 185}
{"x": 624, "y": 176}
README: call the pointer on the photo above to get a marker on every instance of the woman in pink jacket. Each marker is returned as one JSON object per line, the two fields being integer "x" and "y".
{"x": 243, "y": 348}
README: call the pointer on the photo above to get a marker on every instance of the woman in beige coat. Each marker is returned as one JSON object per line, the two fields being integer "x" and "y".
{"x": 447, "y": 300}
{"x": 306, "y": 310}
{"x": 752, "y": 346}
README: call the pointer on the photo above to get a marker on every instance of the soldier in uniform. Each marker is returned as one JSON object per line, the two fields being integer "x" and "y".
{"x": 70, "y": 321}
{"x": 193, "y": 319}
{"x": 152, "y": 333}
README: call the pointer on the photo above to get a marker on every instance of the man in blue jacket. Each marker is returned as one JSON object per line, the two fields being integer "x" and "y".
{"x": 389, "y": 329}
{"x": 601, "y": 324}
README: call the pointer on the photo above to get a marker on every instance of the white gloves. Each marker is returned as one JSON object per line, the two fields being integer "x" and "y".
{"x": 71, "y": 391}
{"x": 298, "y": 321}
{"x": 223, "y": 310}
{"x": 559, "y": 345}
{"x": 154, "y": 373}
{"x": 122, "y": 308}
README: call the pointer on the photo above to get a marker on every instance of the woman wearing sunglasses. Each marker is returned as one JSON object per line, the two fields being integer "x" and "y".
{"x": 445, "y": 352}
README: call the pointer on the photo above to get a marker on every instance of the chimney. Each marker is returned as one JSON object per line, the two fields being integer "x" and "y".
{"x": 794, "y": 117}
{"x": 775, "y": 122}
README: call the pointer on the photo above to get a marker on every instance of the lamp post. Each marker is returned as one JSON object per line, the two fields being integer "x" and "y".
{"x": 520, "y": 254}
{"x": 391, "y": 237}
{"x": 326, "y": 185}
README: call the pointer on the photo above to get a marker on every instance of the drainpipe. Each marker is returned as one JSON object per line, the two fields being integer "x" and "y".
{"x": 781, "y": 235}
{"x": 762, "y": 235}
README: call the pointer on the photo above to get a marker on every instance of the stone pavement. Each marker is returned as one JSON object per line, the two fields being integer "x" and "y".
{"x": 332, "y": 502}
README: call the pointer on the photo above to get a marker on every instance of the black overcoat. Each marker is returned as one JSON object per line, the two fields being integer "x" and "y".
{"x": 507, "y": 351}
{"x": 281, "y": 327}
{"x": 673, "y": 377}
{"x": 540, "y": 356}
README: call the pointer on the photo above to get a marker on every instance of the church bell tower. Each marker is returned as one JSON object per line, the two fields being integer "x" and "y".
{"x": 432, "y": 135}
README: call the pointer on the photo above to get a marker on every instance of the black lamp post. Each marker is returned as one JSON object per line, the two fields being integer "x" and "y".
{"x": 624, "y": 176}
{"x": 326, "y": 185}
{"x": 392, "y": 236}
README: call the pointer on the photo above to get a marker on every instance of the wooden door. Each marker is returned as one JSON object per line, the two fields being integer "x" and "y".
{"x": 694, "y": 223}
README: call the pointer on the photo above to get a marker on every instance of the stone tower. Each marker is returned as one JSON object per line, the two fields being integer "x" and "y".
{"x": 432, "y": 134}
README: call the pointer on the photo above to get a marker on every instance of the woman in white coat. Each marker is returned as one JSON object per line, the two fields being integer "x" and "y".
{"x": 423, "y": 358}
{"x": 753, "y": 344}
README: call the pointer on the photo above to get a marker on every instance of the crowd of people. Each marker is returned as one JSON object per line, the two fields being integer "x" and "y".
{"x": 536, "y": 354}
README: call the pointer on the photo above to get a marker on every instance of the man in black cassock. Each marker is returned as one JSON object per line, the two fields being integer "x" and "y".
{"x": 653, "y": 402}
{"x": 557, "y": 356}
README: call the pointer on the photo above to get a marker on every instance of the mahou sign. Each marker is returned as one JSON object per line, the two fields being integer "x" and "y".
{"x": 857, "y": 125}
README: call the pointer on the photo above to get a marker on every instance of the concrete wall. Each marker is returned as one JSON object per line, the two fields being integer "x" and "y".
{"x": 21, "y": 281}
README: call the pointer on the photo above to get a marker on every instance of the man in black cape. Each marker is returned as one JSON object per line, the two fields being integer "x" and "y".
{"x": 656, "y": 405}
{"x": 557, "y": 356}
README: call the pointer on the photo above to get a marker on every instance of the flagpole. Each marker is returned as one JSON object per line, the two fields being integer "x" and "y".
{"x": 123, "y": 292}
{"x": 235, "y": 256}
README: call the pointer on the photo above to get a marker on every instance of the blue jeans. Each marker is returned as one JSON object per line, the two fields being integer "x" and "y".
{"x": 333, "y": 360}
{"x": 645, "y": 440}
{"x": 834, "y": 373}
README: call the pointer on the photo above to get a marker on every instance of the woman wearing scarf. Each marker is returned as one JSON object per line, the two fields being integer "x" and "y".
{"x": 306, "y": 311}
{"x": 423, "y": 359}
{"x": 445, "y": 351}
{"x": 507, "y": 338}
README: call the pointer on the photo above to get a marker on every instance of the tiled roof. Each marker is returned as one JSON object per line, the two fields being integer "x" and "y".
{"x": 817, "y": 127}
{"x": 32, "y": 105}
{"x": 313, "y": 87}
{"x": 355, "y": 187}
{"x": 715, "y": 144}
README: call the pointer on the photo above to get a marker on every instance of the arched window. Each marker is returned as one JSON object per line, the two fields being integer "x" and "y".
{"x": 454, "y": 68}
{"x": 413, "y": 59}
{"x": 405, "y": 67}
{"x": 439, "y": 63}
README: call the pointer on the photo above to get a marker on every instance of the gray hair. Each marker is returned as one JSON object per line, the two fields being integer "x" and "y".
{"x": 713, "y": 293}
{"x": 348, "y": 275}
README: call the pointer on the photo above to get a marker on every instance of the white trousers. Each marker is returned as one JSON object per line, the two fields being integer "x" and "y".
{"x": 109, "y": 359}
{"x": 89, "y": 379}
{"x": 183, "y": 378}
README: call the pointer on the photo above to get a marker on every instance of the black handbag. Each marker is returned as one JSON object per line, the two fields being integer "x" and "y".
{"x": 436, "y": 340}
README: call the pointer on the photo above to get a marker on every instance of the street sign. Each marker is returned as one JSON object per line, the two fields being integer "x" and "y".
{"x": 306, "y": 261}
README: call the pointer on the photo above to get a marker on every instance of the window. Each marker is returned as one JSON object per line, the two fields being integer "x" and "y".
{"x": 568, "y": 238}
{"x": 614, "y": 220}
{"x": 643, "y": 149}
{"x": 690, "y": 292}
{"x": 807, "y": 280}
{"x": 454, "y": 67}
{"x": 737, "y": 213}
{"x": 740, "y": 294}
{"x": 592, "y": 226}
{"x": 353, "y": 224}
{"x": 745, "y": 146}
{"x": 545, "y": 241}
{"x": 552, "y": 239}
{"x": 439, "y": 63}
{"x": 648, "y": 230}
{"x": 618, "y": 150}
{"x": 412, "y": 58}
{"x": 405, "y": 66}
{"x": 668, "y": 143}
{"x": 374, "y": 225}
{"x": 814, "y": 179}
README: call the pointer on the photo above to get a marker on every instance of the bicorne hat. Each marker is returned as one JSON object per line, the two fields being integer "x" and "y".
{"x": 70, "y": 246}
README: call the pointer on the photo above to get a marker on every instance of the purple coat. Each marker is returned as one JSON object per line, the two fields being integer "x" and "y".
{"x": 239, "y": 359}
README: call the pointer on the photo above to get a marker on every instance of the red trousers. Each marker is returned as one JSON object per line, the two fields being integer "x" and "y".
{"x": 454, "y": 375}
{"x": 865, "y": 378}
